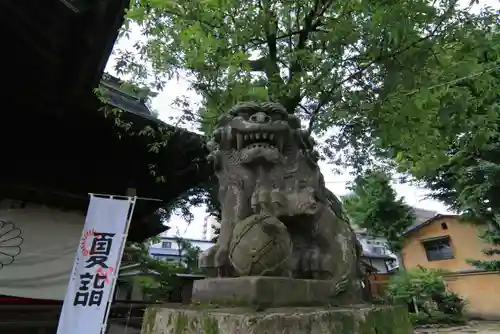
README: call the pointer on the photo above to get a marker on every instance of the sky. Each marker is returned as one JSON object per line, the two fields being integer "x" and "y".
{"x": 337, "y": 183}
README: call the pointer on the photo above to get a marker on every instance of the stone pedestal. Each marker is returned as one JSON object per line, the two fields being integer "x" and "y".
{"x": 262, "y": 292}
{"x": 275, "y": 305}
{"x": 359, "y": 319}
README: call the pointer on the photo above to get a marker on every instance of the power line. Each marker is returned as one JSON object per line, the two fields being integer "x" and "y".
{"x": 454, "y": 81}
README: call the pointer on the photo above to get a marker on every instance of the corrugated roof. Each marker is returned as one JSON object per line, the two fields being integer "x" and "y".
{"x": 194, "y": 276}
{"x": 121, "y": 99}
{"x": 422, "y": 216}
{"x": 425, "y": 217}
{"x": 371, "y": 255}
{"x": 133, "y": 273}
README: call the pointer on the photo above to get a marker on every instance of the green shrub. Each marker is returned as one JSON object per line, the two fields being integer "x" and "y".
{"x": 436, "y": 317}
{"x": 419, "y": 284}
{"x": 450, "y": 303}
{"x": 424, "y": 290}
{"x": 420, "y": 319}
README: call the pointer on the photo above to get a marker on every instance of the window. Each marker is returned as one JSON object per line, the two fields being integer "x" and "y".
{"x": 391, "y": 264}
{"x": 166, "y": 244}
{"x": 444, "y": 226}
{"x": 438, "y": 249}
{"x": 379, "y": 250}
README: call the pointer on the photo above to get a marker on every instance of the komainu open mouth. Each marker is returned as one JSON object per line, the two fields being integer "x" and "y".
{"x": 255, "y": 139}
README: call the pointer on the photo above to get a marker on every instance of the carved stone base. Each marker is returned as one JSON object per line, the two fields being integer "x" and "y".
{"x": 262, "y": 292}
{"x": 359, "y": 319}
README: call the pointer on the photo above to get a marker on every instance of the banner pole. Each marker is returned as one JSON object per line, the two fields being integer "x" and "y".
{"x": 96, "y": 266}
{"x": 132, "y": 201}
{"x": 126, "y": 197}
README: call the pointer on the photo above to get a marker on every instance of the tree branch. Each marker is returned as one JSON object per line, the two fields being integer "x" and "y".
{"x": 304, "y": 109}
{"x": 395, "y": 53}
{"x": 272, "y": 70}
{"x": 311, "y": 22}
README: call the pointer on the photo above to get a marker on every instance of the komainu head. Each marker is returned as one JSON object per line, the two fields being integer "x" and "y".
{"x": 257, "y": 131}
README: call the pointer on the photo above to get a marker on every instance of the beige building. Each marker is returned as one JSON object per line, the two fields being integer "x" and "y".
{"x": 444, "y": 242}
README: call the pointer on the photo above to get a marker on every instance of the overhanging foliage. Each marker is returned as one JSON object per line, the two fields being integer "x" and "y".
{"x": 374, "y": 76}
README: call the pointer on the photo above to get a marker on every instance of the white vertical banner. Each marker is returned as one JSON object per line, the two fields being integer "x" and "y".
{"x": 97, "y": 262}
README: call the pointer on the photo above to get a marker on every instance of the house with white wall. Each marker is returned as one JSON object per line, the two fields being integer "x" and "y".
{"x": 168, "y": 248}
{"x": 376, "y": 253}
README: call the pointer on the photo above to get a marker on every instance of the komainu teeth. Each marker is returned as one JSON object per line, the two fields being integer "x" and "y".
{"x": 257, "y": 136}
{"x": 239, "y": 141}
{"x": 246, "y": 137}
{"x": 271, "y": 136}
{"x": 251, "y": 136}
{"x": 264, "y": 135}
{"x": 280, "y": 143}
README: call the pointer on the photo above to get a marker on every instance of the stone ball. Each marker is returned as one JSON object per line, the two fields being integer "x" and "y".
{"x": 261, "y": 245}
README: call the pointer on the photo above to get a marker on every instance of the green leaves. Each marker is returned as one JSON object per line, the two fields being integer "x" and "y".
{"x": 469, "y": 181}
{"x": 327, "y": 56}
{"x": 408, "y": 82}
{"x": 373, "y": 205}
{"x": 419, "y": 284}
{"x": 425, "y": 290}
{"x": 189, "y": 253}
{"x": 159, "y": 286}
{"x": 393, "y": 78}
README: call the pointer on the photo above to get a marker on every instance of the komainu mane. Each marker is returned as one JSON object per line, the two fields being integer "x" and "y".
{"x": 269, "y": 176}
